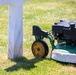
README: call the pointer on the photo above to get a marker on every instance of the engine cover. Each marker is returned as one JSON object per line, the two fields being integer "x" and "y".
{"x": 65, "y": 31}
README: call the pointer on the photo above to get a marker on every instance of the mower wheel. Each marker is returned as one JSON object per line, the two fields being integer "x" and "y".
{"x": 40, "y": 49}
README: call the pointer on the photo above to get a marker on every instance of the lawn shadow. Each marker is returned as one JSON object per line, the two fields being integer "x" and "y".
{"x": 65, "y": 63}
{"x": 26, "y": 64}
{"x": 23, "y": 63}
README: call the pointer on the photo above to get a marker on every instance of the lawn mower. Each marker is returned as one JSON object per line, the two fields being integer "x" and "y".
{"x": 64, "y": 34}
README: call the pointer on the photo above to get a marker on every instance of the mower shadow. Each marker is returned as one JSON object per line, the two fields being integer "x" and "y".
{"x": 65, "y": 63}
{"x": 23, "y": 63}
{"x": 26, "y": 64}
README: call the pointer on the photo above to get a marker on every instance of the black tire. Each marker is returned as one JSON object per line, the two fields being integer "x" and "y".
{"x": 40, "y": 49}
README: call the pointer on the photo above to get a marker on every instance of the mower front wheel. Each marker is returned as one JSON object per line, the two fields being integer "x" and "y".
{"x": 40, "y": 49}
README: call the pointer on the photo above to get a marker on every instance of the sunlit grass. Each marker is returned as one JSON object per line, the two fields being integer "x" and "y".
{"x": 43, "y": 13}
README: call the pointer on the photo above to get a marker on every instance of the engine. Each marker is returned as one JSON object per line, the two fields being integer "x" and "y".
{"x": 65, "y": 31}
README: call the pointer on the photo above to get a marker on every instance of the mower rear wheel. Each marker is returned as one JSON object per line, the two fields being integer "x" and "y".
{"x": 40, "y": 49}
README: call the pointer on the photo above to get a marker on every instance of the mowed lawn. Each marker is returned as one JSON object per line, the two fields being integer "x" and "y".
{"x": 43, "y": 13}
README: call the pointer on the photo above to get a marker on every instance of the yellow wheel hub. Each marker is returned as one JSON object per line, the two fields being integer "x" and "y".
{"x": 38, "y": 49}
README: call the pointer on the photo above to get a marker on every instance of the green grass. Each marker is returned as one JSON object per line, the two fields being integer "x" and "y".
{"x": 36, "y": 12}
